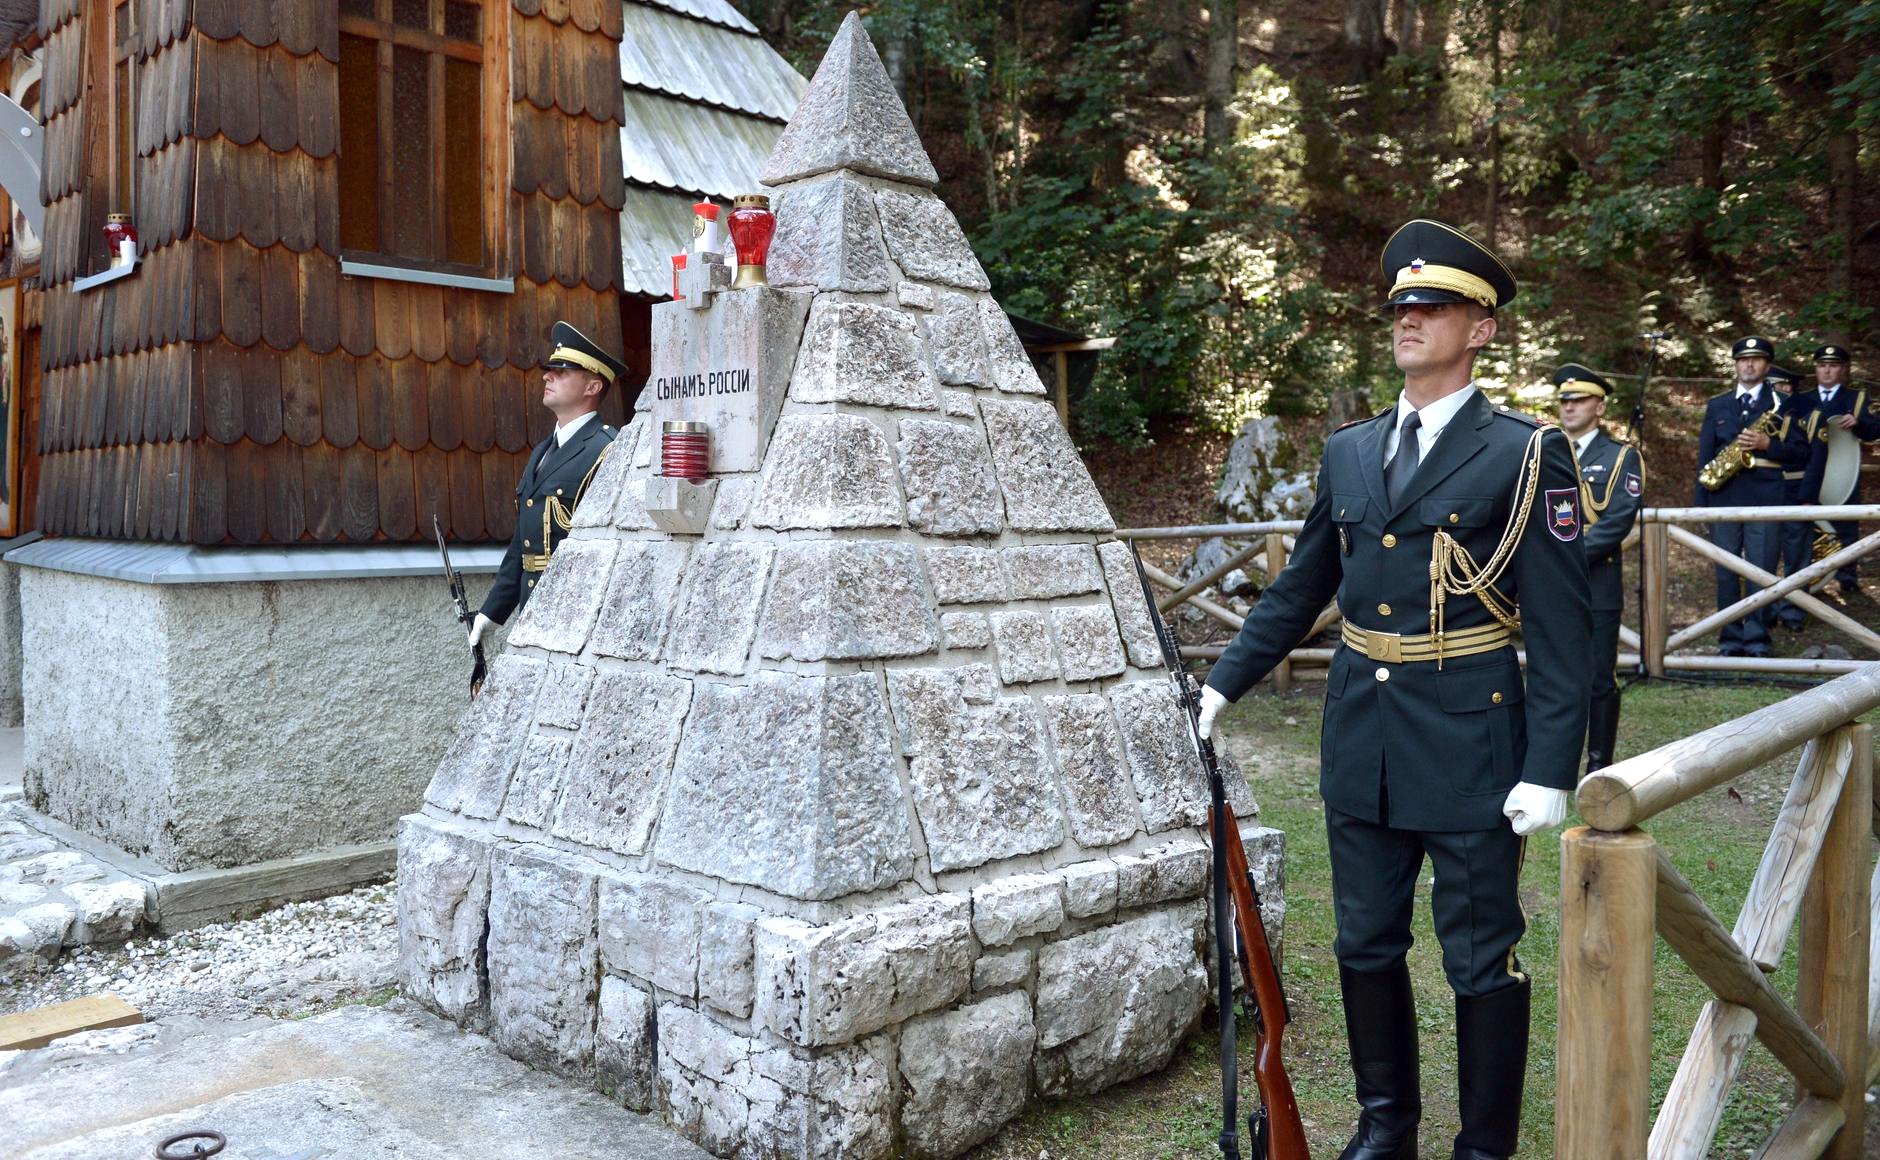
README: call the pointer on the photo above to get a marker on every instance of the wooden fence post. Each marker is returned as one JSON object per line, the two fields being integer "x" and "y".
{"x": 1608, "y": 884}
{"x": 1831, "y": 983}
{"x": 1275, "y": 563}
{"x": 1653, "y": 630}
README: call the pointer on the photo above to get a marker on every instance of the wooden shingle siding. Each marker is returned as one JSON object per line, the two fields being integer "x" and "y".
{"x": 237, "y": 388}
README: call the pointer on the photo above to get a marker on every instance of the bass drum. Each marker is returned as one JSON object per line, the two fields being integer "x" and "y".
{"x": 1841, "y": 472}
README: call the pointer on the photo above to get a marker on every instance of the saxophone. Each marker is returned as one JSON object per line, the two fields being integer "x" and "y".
{"x": 1724, "y": 466}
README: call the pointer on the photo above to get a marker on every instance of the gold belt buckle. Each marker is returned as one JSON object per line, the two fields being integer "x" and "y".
{"x": 1384, "y": 646}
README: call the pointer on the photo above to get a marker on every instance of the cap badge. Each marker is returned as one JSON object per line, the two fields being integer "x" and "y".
{"x": 1416, "y": 265}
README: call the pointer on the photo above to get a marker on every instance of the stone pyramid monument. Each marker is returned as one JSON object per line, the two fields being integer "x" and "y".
{"x": 836, "y": 806}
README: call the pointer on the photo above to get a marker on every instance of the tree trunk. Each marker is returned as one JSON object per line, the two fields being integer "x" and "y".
{"x": 1364, "y": 33}
{"x": 1169, "y": 67}
{"x": 1843, "y": 195}
{"x": 1491, "y": 200}
{"x": 1223, "y": 74}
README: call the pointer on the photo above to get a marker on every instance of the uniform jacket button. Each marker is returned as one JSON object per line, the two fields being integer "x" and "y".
{"x": 1383, "y": 610}
{"x": 1383, "y": 674}
{"x": 531, "y": 583}
{"x": 525, "y": 543}
{"x": 1390, "y": 540}
{"x": 1496, "y": 698}
{"x": 1453, "y": 517}
{"x": 558, "y": 491}
{"x": 529, "y": 502}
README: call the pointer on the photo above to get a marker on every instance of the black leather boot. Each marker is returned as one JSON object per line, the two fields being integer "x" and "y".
{"x": 1602, "y": 730}
{"x": 1381, "y": 1026}
{"x": 1491, "y": 1069}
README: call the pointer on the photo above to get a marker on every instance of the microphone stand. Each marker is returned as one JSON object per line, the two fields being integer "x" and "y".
{"x": 1633, "y": 437}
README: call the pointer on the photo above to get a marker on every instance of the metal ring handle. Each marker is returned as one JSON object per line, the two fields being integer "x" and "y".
{"x": 216, "y": 1142}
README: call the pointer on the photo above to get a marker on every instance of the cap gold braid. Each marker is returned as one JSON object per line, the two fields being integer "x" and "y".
{"x": 582, "y": 359}
{"x": 1450, "y": 278}
{"x": 1579, "y": 387}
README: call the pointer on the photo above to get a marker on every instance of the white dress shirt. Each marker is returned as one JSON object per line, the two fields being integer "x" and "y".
{"x": 566, "y": 431}
{"x": 1583, "y": 442}
{"x": 1828, "y": 393}
{"x": 1435, "y": 417}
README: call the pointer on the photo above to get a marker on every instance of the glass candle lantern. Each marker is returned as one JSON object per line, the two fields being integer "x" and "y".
{"x": 752, "y": 227}
{"x": 120, "y": 237}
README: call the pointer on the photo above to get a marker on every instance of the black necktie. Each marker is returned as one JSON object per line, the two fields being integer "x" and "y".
{"x": 1403, "y": 465}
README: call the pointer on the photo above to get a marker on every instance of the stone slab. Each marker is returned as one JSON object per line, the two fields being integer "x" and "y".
{"x": 474, "y": 774}
{"x": 1048, "y": 571}
{"x": 1114, "y": 1002}
{"x": 956, "y": 340}
{"x": 543, "y": 959}
{"x": 1132, "y": 616}
{"x": 858, "y": 352}
{"x": 741, "y": 1096}
{"x": 789, "y": 783}
{"x": 1099, "y": 798}
{"x": 727, "y": 366}
{"x": 443, "y": 913}
{"x": 1087, "y": 642}
{"x": 847, "y": 600}
{"x": 1016, "y": 906}
{"x": 850, "y": 117}
{"x": 1162, "y": 762}
{"x": 615, "y": 777}
{"x": 626, "y": 1054}
{"x": 357, "y": 1081}
{"x": 926, "y": 241}
{"x": 947, "y": 471}
{"x": 650, "y": 927}
{"x": 1047, "y": 487}
{"x": 828, "y": 471}
{"x": 1026, "y": 650}
{"x": 718, "y": 607}
{"x": 1012, "y": 368}
{"x": 966, "y": 1073}
{"x": 965, "y": 575}
{"x": 640, "y": 596}
{"x": 828, "y": 237}
{"x": 835, "y": 983}
{"x": 567, "y": 599}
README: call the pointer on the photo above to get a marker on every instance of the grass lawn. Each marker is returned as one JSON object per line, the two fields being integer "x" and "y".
{"x": 1716, "y": 841}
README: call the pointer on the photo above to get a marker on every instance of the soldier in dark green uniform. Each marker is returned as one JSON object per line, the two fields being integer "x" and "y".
{"x": 1612, "y": 479}
{"x": 1440, "y": 525}
{"x": 574, "y": 380}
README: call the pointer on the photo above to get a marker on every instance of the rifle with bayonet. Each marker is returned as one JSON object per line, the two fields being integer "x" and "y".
{"x": 462, "y": 606}
{"x": 1275, "y": 1129}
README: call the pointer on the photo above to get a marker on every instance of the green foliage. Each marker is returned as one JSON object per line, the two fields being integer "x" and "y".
{"x": 1661, "y": 164}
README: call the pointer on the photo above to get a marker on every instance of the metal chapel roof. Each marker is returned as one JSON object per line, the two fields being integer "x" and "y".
{"x": 706, "y": 99}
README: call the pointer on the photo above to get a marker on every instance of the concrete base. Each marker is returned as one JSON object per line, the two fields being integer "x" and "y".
{"x": 355, "y": 1082}
{"x": 215, "y": 725}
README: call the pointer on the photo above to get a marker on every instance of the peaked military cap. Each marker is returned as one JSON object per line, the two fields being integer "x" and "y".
{"x": 1831, "y": 353}
{"x": 1755, "y": 346}
{"x": 1574, "y": 381}
{"x": 1781, "y": 375}
{"x": 576, "y": 351}
{"x": 1429, "y": 262}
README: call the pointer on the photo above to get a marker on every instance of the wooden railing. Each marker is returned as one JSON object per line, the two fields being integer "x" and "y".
{"x": 1654, "y": 644}
{"x": 1618, "y": 891}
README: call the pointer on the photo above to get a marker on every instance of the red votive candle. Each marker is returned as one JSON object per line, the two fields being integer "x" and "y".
{"x": 685, "y": 451}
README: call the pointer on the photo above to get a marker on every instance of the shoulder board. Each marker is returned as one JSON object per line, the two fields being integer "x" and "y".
{"x": 1506, "y": 412}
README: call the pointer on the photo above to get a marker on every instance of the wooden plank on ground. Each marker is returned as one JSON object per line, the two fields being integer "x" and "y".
{"x": 42, "y": 1025}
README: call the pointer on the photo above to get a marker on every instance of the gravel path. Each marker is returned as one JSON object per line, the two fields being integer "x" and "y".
{"x": 302, "y": 957}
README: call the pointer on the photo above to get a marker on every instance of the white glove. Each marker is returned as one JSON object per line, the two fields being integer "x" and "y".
{"x": 1533, "y": 808}
{"x": 478, "y": 627}
{"x": 1211, "y": 703}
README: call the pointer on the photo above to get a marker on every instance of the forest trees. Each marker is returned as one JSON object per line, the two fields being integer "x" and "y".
{"x": 1210, "y": 182}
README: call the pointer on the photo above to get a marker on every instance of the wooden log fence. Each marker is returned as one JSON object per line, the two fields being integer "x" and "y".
{"x": 1618, "y": 888}
{"x": 1654, "y": 646}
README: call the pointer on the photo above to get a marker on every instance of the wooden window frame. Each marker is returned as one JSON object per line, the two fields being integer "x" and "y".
{"x": 492, "y": 56}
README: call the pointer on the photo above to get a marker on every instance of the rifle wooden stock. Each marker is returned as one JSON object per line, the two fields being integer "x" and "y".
{"x": 1286, "y": 1133}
